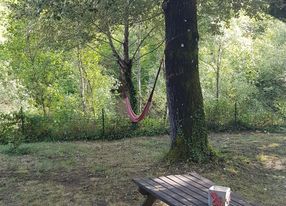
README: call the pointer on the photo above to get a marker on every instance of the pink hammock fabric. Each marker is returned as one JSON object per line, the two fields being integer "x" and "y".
{"x": 131, "y": 114}
{"x": 134, "y": 117}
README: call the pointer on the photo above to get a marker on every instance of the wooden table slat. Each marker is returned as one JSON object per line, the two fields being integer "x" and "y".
{"x": 183, "y": 190}
{"x": 190, "y": 185}
{"x": 235, "y": 197}
{"x": 197, "y": 193}
{"x": 207, "y": 183}
{"x": 234, "y": 200}
{"x": 191, "y": 198}
{"x": 169, "y": 192}
{"x": 157, "y": 193}
{"x": 203, "y": 188}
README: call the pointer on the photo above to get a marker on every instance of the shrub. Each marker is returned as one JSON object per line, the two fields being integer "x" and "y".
{"x": 10, "y": 129}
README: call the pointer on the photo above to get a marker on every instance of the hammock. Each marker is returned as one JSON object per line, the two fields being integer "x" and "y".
{"x": 131, "y": 114}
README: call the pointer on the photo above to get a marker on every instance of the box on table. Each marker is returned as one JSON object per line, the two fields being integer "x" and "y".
{"x": 219, "y": 196}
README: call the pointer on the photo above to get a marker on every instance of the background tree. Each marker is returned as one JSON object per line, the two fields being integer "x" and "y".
{"x": 70, "y": 23}
{"x": 66, "y": 44}
{"x": 243, "y": 63}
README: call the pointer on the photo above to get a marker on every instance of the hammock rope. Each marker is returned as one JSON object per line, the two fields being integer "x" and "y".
{"x": 137, "y": 118}
{"x": 131, "y": 114}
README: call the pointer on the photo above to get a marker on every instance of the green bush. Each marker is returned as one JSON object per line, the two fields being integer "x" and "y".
{"x": 19, "y": 127}
{"x": 38, "y": 128}
{"x": 122, "y": 128}
{"x": 250, "y": 114}
{"x": 11, "y": 130}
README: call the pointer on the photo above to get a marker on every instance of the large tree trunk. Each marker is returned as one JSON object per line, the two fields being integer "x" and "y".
{"x": 278, "y": 9}
{"x": 185, "y": 101}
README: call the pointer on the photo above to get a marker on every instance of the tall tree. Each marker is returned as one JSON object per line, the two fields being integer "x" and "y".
{"x": 69, "y": 23}
{"x": 185, "y": 100}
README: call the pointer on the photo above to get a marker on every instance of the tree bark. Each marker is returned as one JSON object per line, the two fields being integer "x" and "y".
{"x": 278, "y": 9}
{"x": 218, "y": 67}
{"x": 127, "y": 63}
{"x": 44, "y": 108}
{"x": 128, "y": 88}
{"x": 139, "y": 72}
{"x": 82, "y": 81}
{"x": 185, "y": 101}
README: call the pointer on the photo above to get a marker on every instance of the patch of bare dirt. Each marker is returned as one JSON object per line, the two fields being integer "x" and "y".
{"x": 273, "y": 162}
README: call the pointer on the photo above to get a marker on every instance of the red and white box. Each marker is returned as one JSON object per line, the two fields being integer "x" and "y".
{"x": 219, "y": 196}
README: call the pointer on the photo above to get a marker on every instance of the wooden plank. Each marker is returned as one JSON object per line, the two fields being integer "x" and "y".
{"x": 193, "y": 184}
{"x": 234, "y": 201}
{"x": 177, "y": 190}
{"x": 207, "y": 183}
{"x": 198, "y": 192}
{"x": 191, "y": 200}
{"x": 170, "y": 193}
{"x": 157, "y": 192}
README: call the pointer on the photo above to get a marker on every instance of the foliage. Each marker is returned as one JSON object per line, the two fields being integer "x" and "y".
{"x": 271, "y": 73}
{"x": 56, "y": 63}
{"x": 22, "y": 127}
{"x": 244, "y": 86}
{"x": 11, "y": 128}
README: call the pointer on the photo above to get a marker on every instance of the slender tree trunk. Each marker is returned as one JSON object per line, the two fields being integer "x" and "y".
{"x": 44, "y": 108}
{"x": 217, "y": 60}
{"x": 185, "y": 101}
{"x": 126, "y": 64}
{"x": 139, "y": 74}
{"x": 90, "y": 91}
{"x": 125, "y": 61}
{"x": 218, "y": 66}
{"x": 165, "y": 113}
{"x": 139, "y": 86}
{"x": 129, "y": 88}
{"x": 82, "y": 81}
{"x": 235, "y": 114}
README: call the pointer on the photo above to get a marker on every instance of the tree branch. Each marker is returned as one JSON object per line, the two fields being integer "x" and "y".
{"x": 142, "y": 41}
{"x": 107, "y": 33}
{"x": 157, "y": 47}
{"x": 100, "y": 53}
{"x": 147, "y": 19}
{"x": 115, "y": 53}
{"x": 126, "y": 35}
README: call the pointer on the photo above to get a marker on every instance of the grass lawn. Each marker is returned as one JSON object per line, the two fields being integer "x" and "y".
{"x": 100, "y": 173}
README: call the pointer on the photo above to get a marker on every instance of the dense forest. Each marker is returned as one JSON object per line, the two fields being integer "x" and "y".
{"x": 65, "y": 66}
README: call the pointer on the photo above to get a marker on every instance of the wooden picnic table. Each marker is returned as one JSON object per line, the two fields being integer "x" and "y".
{"x": 180, "y": 190}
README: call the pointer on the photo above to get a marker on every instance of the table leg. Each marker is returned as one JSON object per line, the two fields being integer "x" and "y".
{"x": 149, "y": 201}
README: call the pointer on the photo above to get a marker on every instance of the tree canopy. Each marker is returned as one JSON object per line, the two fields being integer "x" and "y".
{"x": 62, "y": 60}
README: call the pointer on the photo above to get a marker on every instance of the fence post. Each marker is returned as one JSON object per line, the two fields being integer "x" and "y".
{"x": 22, "y": 119}
{"x": 103, "y": 121}
{"x": 235, "y": 114}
